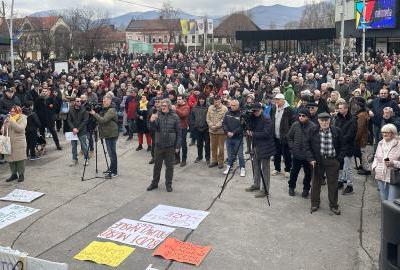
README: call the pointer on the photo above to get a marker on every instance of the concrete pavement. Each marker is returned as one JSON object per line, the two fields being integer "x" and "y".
{"x": 243, "y": 231}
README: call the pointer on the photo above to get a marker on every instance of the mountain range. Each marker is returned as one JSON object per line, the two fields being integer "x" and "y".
{"x": 263, "y": 16}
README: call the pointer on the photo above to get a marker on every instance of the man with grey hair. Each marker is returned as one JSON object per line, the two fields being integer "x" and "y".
{"x": 166, "y": 126}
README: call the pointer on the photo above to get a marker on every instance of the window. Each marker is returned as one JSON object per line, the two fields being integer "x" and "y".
{"x": 165, "y": 39}
{"x": 154, "y": 40}
{"x": 186, "y": 39}
{"x": 194, "y": 39}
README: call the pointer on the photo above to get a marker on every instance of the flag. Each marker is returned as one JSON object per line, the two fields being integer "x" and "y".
{"x": 192, "y": 27}
{"x": 200, "y": 27}
{"x": 210, "y": 26}
{"x": 185, "y": 27}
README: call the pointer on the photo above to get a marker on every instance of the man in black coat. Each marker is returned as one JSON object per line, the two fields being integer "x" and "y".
{"x": 262, "y": 136}
{"x": 297, "y": 140}
{"x": 324, "y": 151}
{"x": 8, "y": 100}
{"x": 348, "y": 125}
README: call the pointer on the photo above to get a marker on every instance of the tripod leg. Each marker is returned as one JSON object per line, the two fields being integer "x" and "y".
{"x": 105, "y": 156}
{"x": 263, "y": 181}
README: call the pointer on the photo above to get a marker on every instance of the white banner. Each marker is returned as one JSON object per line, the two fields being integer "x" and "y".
{"x": 175, "y": 216}
{"x": 20, "y": 195}
{"x": 200, "y": 27}
{"x": 137, "y": 233}
{"x": 13, "y": 213}
{"x": 60, "y": 66}
{"x": 69, "y": 136}
{"x": 210, "y": 26}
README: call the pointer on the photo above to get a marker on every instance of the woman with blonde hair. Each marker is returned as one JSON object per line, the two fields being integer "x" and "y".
{"x": 387, "y": 158}
{"x": 15, "y": 126}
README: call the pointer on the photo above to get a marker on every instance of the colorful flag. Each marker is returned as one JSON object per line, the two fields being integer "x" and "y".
{"x": 192, "y": 27}
{"x": 210, "y": 26}
{"x": 185, "y": 27}
{"x": 200, "y": 26}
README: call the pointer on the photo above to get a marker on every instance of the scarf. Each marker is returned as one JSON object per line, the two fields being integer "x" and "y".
{"x": 143, "y": 105}
{"x": 16, "y": 117}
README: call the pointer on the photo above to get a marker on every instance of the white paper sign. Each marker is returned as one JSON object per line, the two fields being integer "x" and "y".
{"x": 60, "y": 66}
{"x": 150, "y": 267}
{"x": 39, "y": 264}
{"x": 175, "y": 216}
{"x": 13, "y": 213}
{"x": 69, "y": 136}
{"x": 20, "y": 195}
{"x": 137, "y": 233}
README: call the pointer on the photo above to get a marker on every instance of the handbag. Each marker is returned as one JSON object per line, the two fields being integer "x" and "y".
{"x": 5, "y": 143}
{"x": 65, "y": 107}
{"x": 394, "y": 176}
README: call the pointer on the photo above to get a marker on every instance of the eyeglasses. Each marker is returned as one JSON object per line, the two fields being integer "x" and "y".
{"x": 302, "y": 115}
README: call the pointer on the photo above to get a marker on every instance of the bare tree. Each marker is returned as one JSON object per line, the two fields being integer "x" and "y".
{"x": 318, "y": 15}
{"x": 22, "y": 46}
{"x": 272, "y": 25}
{"x": 291, "y": 25}
{"x": 169, "y": 14}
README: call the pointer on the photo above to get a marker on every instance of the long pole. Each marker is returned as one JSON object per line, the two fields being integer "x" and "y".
{"x": 342, "y": 36}
{"x": 11, "y": 37}
{"x": 364, "y": 26}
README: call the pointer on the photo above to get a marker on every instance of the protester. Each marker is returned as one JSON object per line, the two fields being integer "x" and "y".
{"x": 141, "y": 124}
{"x": 31, "y": 131}
{"x": 182, "y": 109}
{"x": 198, "y": 119}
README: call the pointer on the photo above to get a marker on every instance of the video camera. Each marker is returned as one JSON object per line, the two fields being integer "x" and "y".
{"x": 246, "y": 115}
{"x": 93, "y": 106}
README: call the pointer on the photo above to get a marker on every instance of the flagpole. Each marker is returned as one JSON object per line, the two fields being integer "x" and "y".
{"x": 205, "y": 38}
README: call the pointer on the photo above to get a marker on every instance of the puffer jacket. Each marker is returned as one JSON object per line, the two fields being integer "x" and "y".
{"x": 198, "y": 117}
{"x": 378, "y": 166}
{"x": 231, "y": 123}
{"x": 297, "y": 138}
{"x": 78, "y": 118}
{"x": 108, "y": 123}
{"x": 167, "y": 130}
{"x": 215, "y": 117}
{"x": 348, "y": 126}
{"x": 263, "y": 137}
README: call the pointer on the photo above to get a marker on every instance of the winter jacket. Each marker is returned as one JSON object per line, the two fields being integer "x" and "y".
{"x": 378, "y": 105}
{"x": 298, "y": 137}
{"x": 348, "y": 126}
{"x": 131, "y": 107}
{"x": 16, "y": 131}
{"x": 78, "y": 118}
{"x": 313, "y": 146}
{"x": 286, "y": 121}
{"x": 215, "y": 117}
{"x": 167, "y": 130}
{"x": 108, "y": 122}
{"x": 289, "y": 95}
{"x": 362, "y": 129}
{"x": 183, "y": 112}
{"x": 263, "y": 137}
{"x": 33, "y": 122}
{"x": 7, "y": 103}
{"x": 231, "y": 123}
{"x": 198, "y": 117}
{"x": 378, "y": 165}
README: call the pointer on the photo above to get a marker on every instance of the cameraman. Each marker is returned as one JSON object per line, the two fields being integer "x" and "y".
{"x": 77, "y": 120}
{"x": 107, "y": 119}
{"x": 262, "y": 134}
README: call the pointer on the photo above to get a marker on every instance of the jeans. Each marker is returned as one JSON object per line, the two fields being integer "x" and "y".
{"x": 346, "y": 174}
{"x": 388, "y": 191}
{"x": 184, "y": 132}
{"x": 84, "y": 147}
{"x": 233, "y": 146}
{"x": 131, "y": 127}
{"x": 282, "y": 149}
{"x": 294, "y": 173}
{"x": 111, "y": 144}
{"x": 203, "y": 141}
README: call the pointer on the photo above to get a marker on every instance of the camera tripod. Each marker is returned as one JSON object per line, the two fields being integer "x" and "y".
{"x": 108, "y": 174}
{"x": 227, "y": 179}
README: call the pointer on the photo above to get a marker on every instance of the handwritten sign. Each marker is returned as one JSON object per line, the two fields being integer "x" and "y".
{"x": 137, "y": 233}
{"x": 13, "y": 213}
{"x": 20, "y": 195}
{"x": 175, "y": 216}
{"x": 173, "y": 249}
{"x": 104, "y": 253}
{"x": 69, "y": 136}
{"x": 150, "y": 267}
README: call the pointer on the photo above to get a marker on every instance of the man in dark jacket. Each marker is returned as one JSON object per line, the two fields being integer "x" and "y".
{"x": 262, "y": 136}
{"x": 324, "y": 151}
{"x": 32, "y": 126}
{"x": 77, "y": 121}
{"x": 8, "y": 101}
{"x": 182, "y": 109}
{"x": 166, "y": 126}
{"x": 107, "y": 119}
{"x": 234, "y": 133}
{"x": 198, "y": 120}
{"x": 348, "y": 125}
{"x": 297, "y": 139}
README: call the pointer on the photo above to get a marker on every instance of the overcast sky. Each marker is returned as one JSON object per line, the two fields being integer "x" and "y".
{"x": 115, "y": 7}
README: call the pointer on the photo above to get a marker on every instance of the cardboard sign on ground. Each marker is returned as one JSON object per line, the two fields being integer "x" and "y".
{"x": 175, "y": 216}
{"x": 13, "y": 213}
{"x": 106, "y": 253}
{"x": 173, "y": 249}
{"x": 20, "y": 195}
{"x": 137, "y": 233}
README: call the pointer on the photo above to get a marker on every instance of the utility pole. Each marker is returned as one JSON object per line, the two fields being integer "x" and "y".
{"x": 364, "y": 26}
{"x": 342, "y": 36}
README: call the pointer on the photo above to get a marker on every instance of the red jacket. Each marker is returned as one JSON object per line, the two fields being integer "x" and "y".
{"x": 183, "y": 112}
{"x": 131, "y": 107}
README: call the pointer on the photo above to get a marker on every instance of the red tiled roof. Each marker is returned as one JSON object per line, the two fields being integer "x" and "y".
{"x": 154, "y": 25}
{"x": 41, "y": 23}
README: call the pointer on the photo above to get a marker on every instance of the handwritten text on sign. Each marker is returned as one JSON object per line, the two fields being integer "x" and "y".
{"x": 137, "y": 233}
{"x": 175, "y": 216}
{"x": 173, "y": 249}
{"x": 20, "y": 195}
{"x": 13, "y": 213}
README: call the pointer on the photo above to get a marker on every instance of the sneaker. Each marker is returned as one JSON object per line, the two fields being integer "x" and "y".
{"x": 73, "y": 164}
{"x": 348, "y": 190}
{"x": 151, "y": 187}
{"x": 260, "y": 194}
{"x": 140, "y": 147}
{"x": 336, "y": 211}
{"x": 242, "y": 172}
{"x": 197, "y": 160}
{"x": 34, "y": 158}
{"x": 113, "y": 175}
{"x": 340, "y": 185}
{"x": 252, "y": 188}
{"x": 275, "y": 172}
{"x": 305, "y": 193}
{"x": 287, "y": 174}
{"x": 227, "y": 170}
{"x": 291, "y": 192}
{"x": 363, "y": 172}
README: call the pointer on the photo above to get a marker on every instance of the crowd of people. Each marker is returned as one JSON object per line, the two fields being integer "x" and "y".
{"x": 295, "y": 108}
